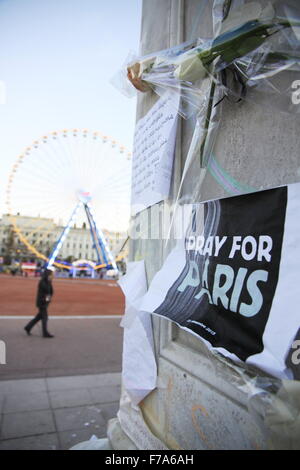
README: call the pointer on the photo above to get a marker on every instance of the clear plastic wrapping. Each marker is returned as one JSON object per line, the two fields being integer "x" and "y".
{"x": 274, "y": 404}
{"x": 250, "y": 49}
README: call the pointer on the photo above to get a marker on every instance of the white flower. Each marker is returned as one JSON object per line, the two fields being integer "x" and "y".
{"x": 190, "y": 68}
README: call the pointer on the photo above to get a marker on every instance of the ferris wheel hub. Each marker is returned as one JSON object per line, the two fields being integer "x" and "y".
{"x": 84, "y": 197}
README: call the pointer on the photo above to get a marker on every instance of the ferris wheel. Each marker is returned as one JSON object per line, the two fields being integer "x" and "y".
{"x": 71, "y": 176}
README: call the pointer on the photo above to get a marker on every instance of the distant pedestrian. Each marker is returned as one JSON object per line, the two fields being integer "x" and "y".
{"x": 44, "y": 296}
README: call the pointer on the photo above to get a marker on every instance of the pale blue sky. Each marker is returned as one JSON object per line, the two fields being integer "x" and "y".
{"x": 57, "y": 58}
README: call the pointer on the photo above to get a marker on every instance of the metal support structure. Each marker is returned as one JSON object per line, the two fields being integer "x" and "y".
{"x": 104, "y": 255}
{"x": 63, "y": 236}
{"x": 102, "y": 241}
{"x": 97, "y": 243}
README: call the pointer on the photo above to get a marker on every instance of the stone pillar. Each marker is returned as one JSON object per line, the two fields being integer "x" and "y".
{"x": 199, "y": 402}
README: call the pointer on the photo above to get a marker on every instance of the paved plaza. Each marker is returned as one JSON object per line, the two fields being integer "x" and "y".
{"x": 81, "y": 346}
{"x": 58, "y": 392}
{"x": 56, "y": 413}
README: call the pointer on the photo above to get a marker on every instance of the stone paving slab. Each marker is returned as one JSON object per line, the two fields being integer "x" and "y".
{"x": 83, "y": 381}
{"x": 70, "y": 398}
{"x": 27, "y": 423}
{"x": 68, "y": 419}
{"x": 56, "y": 413}
{"x": 22, "y": 386}
{"x": 40, "y": 442}
{"x": 16, "y": 402}
{"x": 108, "y": 393}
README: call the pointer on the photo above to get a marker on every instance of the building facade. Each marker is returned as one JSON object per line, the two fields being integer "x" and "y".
{"x": 42, "y": 234}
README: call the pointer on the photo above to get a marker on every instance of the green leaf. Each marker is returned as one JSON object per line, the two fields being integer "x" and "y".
{"x": 243, "y": 48}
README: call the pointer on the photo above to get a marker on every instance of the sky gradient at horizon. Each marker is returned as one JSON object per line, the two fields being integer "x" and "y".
{"x": 56, "y": 60}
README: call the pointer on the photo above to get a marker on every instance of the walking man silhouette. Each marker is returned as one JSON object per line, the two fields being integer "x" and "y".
{"x": 44, "y": 296}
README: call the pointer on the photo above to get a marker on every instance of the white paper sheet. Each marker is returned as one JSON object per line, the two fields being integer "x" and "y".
{"x": 153, "y": 154}
{"x": 139, "y": 371}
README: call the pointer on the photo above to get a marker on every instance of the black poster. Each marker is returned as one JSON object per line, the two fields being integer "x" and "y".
{"x": 226, "y": 289}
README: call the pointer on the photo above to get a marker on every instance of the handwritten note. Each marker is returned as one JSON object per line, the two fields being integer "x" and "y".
{"x": 153, "y": 154}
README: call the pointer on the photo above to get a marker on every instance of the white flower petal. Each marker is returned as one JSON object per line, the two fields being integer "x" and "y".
{"x": 191, "y": 69}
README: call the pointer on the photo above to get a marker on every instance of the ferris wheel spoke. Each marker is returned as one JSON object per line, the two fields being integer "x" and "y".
{"x": 87, "y": 157}
{"x": 109, "y": 191}
{"x": 109, "y": 188}
{"x": 41, "y": 203}
{"x": 36, "y": 173}
{"x": 53, "y": 146}
{"x": 76, "y": 147}
{"x": 45, "y": 156}
{"x": 95, "y": 159}
{"x": 118, "y": 176}
{"x": 71, "y": 159}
